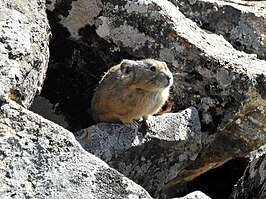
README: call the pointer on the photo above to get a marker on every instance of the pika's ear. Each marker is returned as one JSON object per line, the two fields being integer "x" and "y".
{"x": 127, "y": 66}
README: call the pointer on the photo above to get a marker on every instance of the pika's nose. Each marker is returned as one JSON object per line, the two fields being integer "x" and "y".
{"x": 168, "y": 76}
{"x": 170, "y": 79}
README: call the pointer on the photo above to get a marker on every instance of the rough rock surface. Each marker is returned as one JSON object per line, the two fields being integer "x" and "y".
{"x": 253, "y": 182}
{"x": 195, "y": 195}
{"x": 40, "y": 159}
{"x": 242, "y": 23}
{"x": 24, "y": 52}
{"x": 43, "y": 107}
{"x": 225, "y": 85}
{"x": 151, "y": 157}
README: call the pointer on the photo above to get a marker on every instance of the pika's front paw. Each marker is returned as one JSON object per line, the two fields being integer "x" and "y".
{"x": 132, "y": 125}
{"x": 148, "y": 120}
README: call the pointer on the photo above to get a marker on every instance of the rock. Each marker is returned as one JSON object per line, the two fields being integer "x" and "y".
{"x": 242, "y": 134}
{"x": 253, "y": 182}
{"x": 150, "y": 157}
{"x": 43, "y": 107}
{"x": 40, "y": 159}
{"x": 242, "y": 23}
{"x": 195, "y": 195}
{"x": 24, "y": 52}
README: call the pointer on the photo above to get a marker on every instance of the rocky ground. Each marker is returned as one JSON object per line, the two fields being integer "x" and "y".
{"x": 211, "y": 145}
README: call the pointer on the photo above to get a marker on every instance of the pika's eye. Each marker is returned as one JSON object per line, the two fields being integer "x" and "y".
{"x": 128, "y": 70}
{"x": 152, "y": 68}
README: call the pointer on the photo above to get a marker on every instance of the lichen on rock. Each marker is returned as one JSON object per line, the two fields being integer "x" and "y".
{"x": 40, "y": 159}
{"x": 24, "y": 39}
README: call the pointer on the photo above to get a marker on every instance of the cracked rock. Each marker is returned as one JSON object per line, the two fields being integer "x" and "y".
{"x": 40, "y": 159}
{"x": 150, "y": 157}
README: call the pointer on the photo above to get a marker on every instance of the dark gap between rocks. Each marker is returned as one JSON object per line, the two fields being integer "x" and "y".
{"x": 217, "y": 183}
{"x": 75, "y": 68}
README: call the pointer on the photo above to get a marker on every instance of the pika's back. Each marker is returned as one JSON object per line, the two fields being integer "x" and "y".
{"x": 131, "y": 90}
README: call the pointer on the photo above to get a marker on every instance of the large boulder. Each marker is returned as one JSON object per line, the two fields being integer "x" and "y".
{"x": 24, "y": 52}
{"x": 40, "y": 159}
{"x": 153, "y": 156}
{"x": 242, "y": 23}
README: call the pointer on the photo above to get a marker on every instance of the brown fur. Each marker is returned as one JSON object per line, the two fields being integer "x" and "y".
{"x": 131, "y": 90}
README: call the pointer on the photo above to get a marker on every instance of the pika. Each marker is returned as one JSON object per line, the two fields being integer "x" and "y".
{"x": 130, "y": 91}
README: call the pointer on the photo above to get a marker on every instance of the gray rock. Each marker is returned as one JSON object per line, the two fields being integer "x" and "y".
{"x": 253, "y": 182}
{"x": 43, "y": 107}
{"x": 195, "y": 195}
{"x": 151, "y": 158}
{"x": 242, "y": 23}
{"x": 24, "y": 52}
{"x": 40, "y": 159}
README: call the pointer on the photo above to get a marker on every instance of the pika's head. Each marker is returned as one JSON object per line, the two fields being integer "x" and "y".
{"x": 146, "y": 74}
